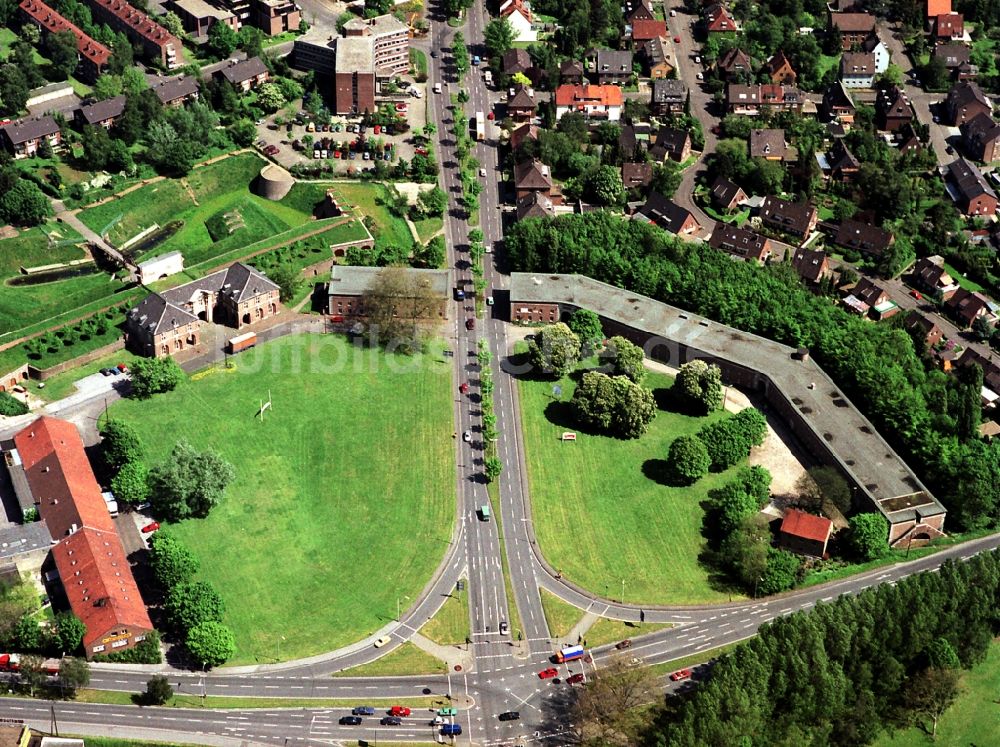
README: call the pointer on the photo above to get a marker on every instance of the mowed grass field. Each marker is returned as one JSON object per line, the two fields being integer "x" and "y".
{"x": 599, "y": 518}
{"x": 344, "y": 497}
{"x": 973, "y": 719}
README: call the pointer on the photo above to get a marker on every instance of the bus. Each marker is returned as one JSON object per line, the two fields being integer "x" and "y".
{"x": 480, "y": 126}
{"x": 569, "y": 654}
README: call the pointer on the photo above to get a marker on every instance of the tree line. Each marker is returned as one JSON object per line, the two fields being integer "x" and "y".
{"x": 930, "y": 417}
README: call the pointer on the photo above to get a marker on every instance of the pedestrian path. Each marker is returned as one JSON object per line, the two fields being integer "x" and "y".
{"x": 450, "y": 655}
{"x": 578, "y": 631}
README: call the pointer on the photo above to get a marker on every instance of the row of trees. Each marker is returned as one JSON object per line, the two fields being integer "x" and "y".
{"x": 716, "y": 447}
{"x": 875, "y": 365}
{"x": 194, "y": 609}
{"x": 492, "y": 465}
{"x": 844, "y": 672}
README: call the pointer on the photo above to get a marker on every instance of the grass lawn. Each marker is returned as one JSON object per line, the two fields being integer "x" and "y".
{"x": 354, "y": 438}
{"x": 450, "y": 626}
{"x": 418, "y": 62}
{"x": 428, "y": 228}
{"x": 369, "y": 200}
{"x": 116, "y": 697}
{"x": 407, "y": 659}
{"x": 112, "y": 742}
{"x": 607, "y": 630}
{"x": 826, "y": 62}
{"x": 560, "y": 616}
{"x": 963, "y": 281}
{"x": 61, "y": 385}
{"x": 974, "y": 718}
{"x": 625, "y": 523}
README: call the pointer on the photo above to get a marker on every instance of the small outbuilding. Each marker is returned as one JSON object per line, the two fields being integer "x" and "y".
{"x": 804, "y": 533}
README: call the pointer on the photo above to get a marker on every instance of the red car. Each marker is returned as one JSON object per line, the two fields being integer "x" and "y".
{"x": 491, "y": 116}
{"x": 681, "y": 674}
{"x": 399, "y": 711}
{"x": 548, "y": 674}
{"x": 916, "y": 295}
{"x": 420, "y": 151}
{"x": 463, "y": 388}
{"x": 575, "y": 679}
{"x": 677, "y": 40}
{"x": 627, "y": 643}
{"x": 151, "y": 527}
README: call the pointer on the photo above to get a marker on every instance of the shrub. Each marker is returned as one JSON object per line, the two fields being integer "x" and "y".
{"x": 729, "y": 440}
{"x": 687, "y": 459}
{"x": 11, "y": 406}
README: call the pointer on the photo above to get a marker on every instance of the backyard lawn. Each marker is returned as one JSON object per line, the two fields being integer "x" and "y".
{"x": 343, "y": 499}
{"x": 600, "y": 510}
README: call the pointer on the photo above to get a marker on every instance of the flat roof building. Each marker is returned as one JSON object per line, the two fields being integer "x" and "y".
{"x": 390, "y": 37}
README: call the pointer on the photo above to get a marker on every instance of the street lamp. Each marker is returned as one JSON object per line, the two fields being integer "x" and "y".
{"x": 623, "y": 591}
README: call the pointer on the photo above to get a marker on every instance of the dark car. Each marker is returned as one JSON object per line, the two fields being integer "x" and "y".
{"x": 350, "y": 720}
{"x": 105, "y": 372}
{"x": 391, "y": 721}
{"x": 575, "y": 679}
{"x": 623, "y": 644}
{"x": 362, "y": 711}
{"x": 509, "y": 716}
{"x": 470, "y": 323}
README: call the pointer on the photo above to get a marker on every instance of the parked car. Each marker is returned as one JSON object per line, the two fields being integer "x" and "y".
{"x": 627, "y": 643}
{"x": 575, "y": 679}
{"x": 503, "y": 627}
{"x": 105, "y": 372}
{"x": 151, "y": 527}
{"x": 681, "y": 674}
{"x": 382, "y": 641}
{"x": 677, "y": 40}
{"x": 467, "y": 437}
{"x": 420, "y": 151}
{"x": 350, "y": 720}
{"x": 391, "y": 721}
{"x": 916, "y": 294}
{"x": 509, "y": 716}
{"x": 451, "y": 730}
{"x": 363, "y": 711}
{"x": 482, "y": 172}
{"x": 548, "y": 674}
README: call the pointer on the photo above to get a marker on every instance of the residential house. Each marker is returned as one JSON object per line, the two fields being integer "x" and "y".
{"x": 949, "y": 27}
{"x": 521, "y": 134}
{"x": 657, "y": 57}
{"x": 155, "y": 41}
{"x": 780, "y": 70}
{"x": 874, "y": 46}
{"x": 857, "y": 69}
{"x": 272, "y": 16}
{"x": 390, "y": 41}
{"x": 514, "y": 61}
{"x": 970, "y": 190}
{"x": 805, "y": 534}
{"x": 735, "y": 65}
{"x": 198, "y": 16}
{"x": 965, "y": 100}
{"x": 751, "y": 100}
{"x": 867, "y": 298}
{"x": 668, "y": 97}
{"x": 176, "y": 91}
{"x": 610, "y": 66}
{"x": 718, "y": 19}
{"x": 596, "y": 102}
{"x": 794, "y": 218}
{"x": 671, "y": 143}
{"x": 92, "y": 55}
{"x": 667, "y": 215}
{"x": 101, "y": 113}
{"x": 24, "y": 137}
{"x": 244, "y": 75}
{"x": 854, "y": 28}
{"x": 843, "y": 164}
{"x": 532, "y": 176}
{"x": 570, "y": 72}
{"x": 865, "y": 238}
{"x": 637, "y": 175}
{"x": 349, "y": 285}
{"x": 518, "y": 12}
{"x": 892, "y": 109}
{"x": 768, "y": 144}
{"x": 640, "y": 10}
{"x": 88, "y": 555}
{"x": 933, "y": 279}
{"x": 906, "y": 139}
{"x": 966, "y": 306}
{"x": 740, "y": 243}
{"x": 645, "y": 29}
{"x": 838, "y": 104}
{"x": 923, "y": 328}
{"x": 521, "y": 103}
{"x": 981, "y": 138}
{"x": 726, "y": 195}
{"x": 535, "y": 205}
{"x": 628, "y": 142}
{"x": 934, "y": 9}
{"x": 812, "y": 265}
{"x": 991, "y": 372}
{"x": 953, "y": 54}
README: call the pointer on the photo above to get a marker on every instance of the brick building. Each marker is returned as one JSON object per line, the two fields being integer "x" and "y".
{"x": 198, "y": 16}
{"x": 24, "y": 137}
{"x": 244, "y": 74}
{"x": 354, "y": 76}
{"x": 156, "y": 42}
{"x": 804, "y": 533}
{"x": 101, "y": 113}
{"x": 93, "y": 55}
{"x": 348, "y": 286}
{"x": 275, "y": 16}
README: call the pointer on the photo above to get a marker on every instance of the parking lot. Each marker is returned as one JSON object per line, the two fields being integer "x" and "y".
{"x": 344, "y": 142}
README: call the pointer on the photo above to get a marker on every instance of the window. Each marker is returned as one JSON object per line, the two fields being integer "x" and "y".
{"x": 119, "y": 644}
{"x": 98, "y": 649}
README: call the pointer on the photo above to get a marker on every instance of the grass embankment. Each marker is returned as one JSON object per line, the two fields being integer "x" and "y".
{"x": 450, "y": 626}
{"x": 407, "y": 659}
{"x": 335, "y": 512}
{"x": 601, "y": 509}
{"x": 560, "y": 616}
{"x": 115, "y": 697}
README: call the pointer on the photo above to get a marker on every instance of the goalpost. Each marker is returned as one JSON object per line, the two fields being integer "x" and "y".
{"x": 264, "y": 406}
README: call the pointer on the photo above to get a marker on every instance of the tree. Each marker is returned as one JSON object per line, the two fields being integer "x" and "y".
{"x": 460, "y": 54}
{"x": 243, "y": 131}
{"x": 868, "y": 536}
{"x": 666, "y": 178}
{"x": 603, "y": 186}
{"x": 698, "y": 386}
{"x": 172, "y": 563}
{"x": 28, "y": 634}
{"x": 928, "y": 694}
{"x": 120, "y": 444}
{"x": 97, "y": 147}
{"x": 893, "y": 75}
{"x": 269, "y": 97}
{"x": 625, "y": 358}
{"x": 131, "y": 484}
{"x": 729, "y": 440}
{"x": 61, "y": 50}
{"x": 377, "y": 7}
{"x": 172, "y": 23}
{"x": 586, "y": 325}
{"x": 613, "y": 404}
{"x": 222, "y": 40}
{"x": 781, "y": 572}
{"x": 14, "y": 90}
{"x": 133, "y": 81}
{"x": 69, "y": 632}
{"x": 191, "y": 603}
{"x": 158, "y": 690}
{"x": 30, "y": 672}
{"x": 155, "y": 376}
{"x": 210, "y": 644}
{"x": 11, "y": 406}
{"x": 493, "y": 468}
{"x": 941, "y": 654}
{"x": 554, "y": 350}
{"x": 499, "y": 36}
{"x": 74, "y": 673}
{"x": 22, "y": 56}
{"x": 431, "y": 254}
{"x": 395, "y": 304}
{"x": 288, "y": 279}
{"x": 744, "y": 552}
{"x": 107, "y": 87}
{"x": 433, "y": 202}
{"x": 609, "y": 707}
{"x": 687, "y": 460}
{"x": 520, "y": 79}
{"x": 189, "y": 483}
{"x": 251, "y": 40}
{"x": 24, "y": 204}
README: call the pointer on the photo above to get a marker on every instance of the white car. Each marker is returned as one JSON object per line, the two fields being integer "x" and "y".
{"x": 467, "y": 437}
{"x": 701, "y": 76}
{"x": 482, "y": 172}
{"x": 382, "y": 641}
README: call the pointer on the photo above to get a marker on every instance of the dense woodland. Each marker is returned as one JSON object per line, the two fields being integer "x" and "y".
{"x": 930, "y": 417}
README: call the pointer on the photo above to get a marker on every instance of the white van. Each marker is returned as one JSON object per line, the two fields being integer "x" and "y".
{"x": 437, "y": 88}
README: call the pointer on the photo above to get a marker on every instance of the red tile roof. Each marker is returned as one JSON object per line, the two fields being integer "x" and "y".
{"x": 99, "y": 585}
{"x": 60, "y": 477}
{"x": 139, "y": 22}
{"x": 938, "y": 7}
{"x": 53, "y": 23}
{"x": 807, "y": 526}
{"x": 569, "y": 95}
{"x": 643, "y": 30}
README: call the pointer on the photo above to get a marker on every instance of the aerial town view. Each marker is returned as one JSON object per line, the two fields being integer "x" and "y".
{"x": 499, "y": 373}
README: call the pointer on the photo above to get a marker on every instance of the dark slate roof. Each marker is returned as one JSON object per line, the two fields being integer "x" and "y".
{"x": 523, "y": 98}
{"x": 863, "y": 237}
{"x": 103, "y": 110}
{"x": 175, "y": 88}
{"x": 893, "y": 103}
{"x": 668, "y": 91}
{"x": 953, "y": 54}
{"x": 968, "y": 180}
{"x": 571, "y": 68}
{"x": 535, "y": 205}
{"x": 981, "y": 129}
{"x": 809, "y": 263}
{"x": 613, "y": 61}
{"x": 724, "y": 191}
{"x": 965, "y": 93}
{"x": 532, "y": 175}
{"x": 767, "y": 143}
{"x": 157, "y": 314}
{"x": 636, "y": 174}
{"x": 841, "y": 158}
{"x": 837, "y": 96}
{"x": 790, "y": 216}
{"x": 739, "y": 242}
{"x": 734, "y": 59}
{"x": 22, "y": 131}
{"x": 665, "y": 213}
{"x": 669, "y": 141}
{"x": 238, "y": 72}
{"x": 868, "y": 292}
{"x": 515, "y": 61}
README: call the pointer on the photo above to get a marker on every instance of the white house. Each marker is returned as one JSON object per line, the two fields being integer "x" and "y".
{"x": 593, "y": 102}
{"x": 518, "y": 12}
{"x": 857, "y": 70}
{"x": 875, "y": 46}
